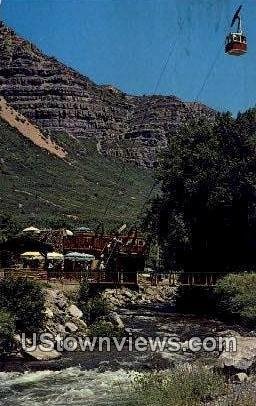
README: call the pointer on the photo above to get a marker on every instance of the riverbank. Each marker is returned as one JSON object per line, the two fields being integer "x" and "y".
{"x": 63, "y": 320}
{"x": 101, "y": 378}
{"x": 148, "y": 314}
{"x": 149, "y": 321}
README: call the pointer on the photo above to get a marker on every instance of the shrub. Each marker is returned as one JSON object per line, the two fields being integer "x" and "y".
{"x": 103, "y": 328}
{"x": 7, "y": 331}
{"x": 83, "y": 294}
{"x": 25, "y": 300}
{"x": 180, "y": 388}
{"x": 94, "y": 308}
{"x": 236, "y": 297}
{"x": 91, "y": 303}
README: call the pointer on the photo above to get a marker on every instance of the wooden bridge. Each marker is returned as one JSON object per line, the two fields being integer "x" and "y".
{"x": 195, "y": 278}
{"x": 96, "y": 277}
{"x": 112, "y": 279}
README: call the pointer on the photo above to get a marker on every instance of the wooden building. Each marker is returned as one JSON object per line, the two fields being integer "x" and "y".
{"x": 118, "y": 259}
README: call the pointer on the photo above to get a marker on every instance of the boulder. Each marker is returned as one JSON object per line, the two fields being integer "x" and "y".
{"x": 42, "y": 355}
{"x": 228, "y": 333}
{"x": 244, "y": 356}
{"x": 116, "y": 319}
{"x": 75, "y": 312}
{"x": 55, "y": 328}
{"x": 240, "y": 377}
{"x": 81, "y": 324}
{"x": 49, "y": 313}
{"x": 55, "y": 297}
{"x": 60, "y": 301}
{"x": 60, "y": 329}
{"x": 129, "y": 294}
{"x": 174, "y": 358}
{"x": 104, "y": 366}
{"x": 71, "y": 327}
{"x": 17, "y": 338}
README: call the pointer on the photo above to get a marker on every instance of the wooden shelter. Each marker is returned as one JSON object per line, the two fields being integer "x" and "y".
{"x": 119, "y": 259}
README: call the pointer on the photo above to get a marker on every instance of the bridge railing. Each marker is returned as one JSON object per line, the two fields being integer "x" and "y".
{"x": 21, "y": 273}
{"x": 92, "y": 277}
{"x": 112, "y": 278}
{"x": 195, "y": 278}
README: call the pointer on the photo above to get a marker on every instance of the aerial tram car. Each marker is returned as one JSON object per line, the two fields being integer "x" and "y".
{"x": 236, "y": 42}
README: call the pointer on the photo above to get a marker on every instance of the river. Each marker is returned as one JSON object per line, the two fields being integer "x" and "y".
{"x": 99, "y": 378}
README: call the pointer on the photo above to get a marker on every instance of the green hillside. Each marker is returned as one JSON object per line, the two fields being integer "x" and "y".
{"x": 38, "y": 188}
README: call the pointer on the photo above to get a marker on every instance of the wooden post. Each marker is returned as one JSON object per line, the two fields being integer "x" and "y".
{"x": 193, "y": 279}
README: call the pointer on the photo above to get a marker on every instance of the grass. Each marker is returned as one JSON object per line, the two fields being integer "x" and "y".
{"x": 38, "y": 188}
{"x": 188, "y": 386}
{"x": 183, "y": 387}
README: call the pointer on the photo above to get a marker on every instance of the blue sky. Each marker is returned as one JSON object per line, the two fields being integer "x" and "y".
{"x": 125, "y": 43}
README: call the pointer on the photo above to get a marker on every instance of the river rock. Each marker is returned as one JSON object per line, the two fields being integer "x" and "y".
{"x": 49, "y": 313}
{"x": 240, "y": 377}
{"x": 75, "y": 312}
{"x": 17, "y": 338}
{"x": 61, "y": 329}
{"x": 228, "y": 333}
{"x": 82, "y": 326}
{"x": 54, "y": 327}
{"x": 71, "y": 327}
{"x": 116, "y": 319}
{"x": 243, "y": 359}
{"x": 129, "y": 294}
{"x": 41, "y": 355}
{"x": 159, "y": 299}
{"x": 104, "y": 366}
{"x": 57, "y": 298}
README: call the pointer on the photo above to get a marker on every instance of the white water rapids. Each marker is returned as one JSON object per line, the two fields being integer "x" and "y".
{"x": 102, "y": 378}
{"x": 71, "y": 386}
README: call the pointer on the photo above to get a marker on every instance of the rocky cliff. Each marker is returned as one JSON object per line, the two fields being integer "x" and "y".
{"x": 58, "y": 99}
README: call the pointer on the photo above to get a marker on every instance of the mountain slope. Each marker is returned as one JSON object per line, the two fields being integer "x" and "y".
{"x": 29, "y": 130}
{"x": 60, "y": 100}
{"x": 38, "y": 187}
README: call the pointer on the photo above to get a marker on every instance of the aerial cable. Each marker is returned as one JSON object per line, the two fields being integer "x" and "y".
{"x": 201, "y": 89}
{"x": 212, "y": 66}
{"x": 235, "y": 17}
{"x": 208, "y": 74}
{"x": 162, "y": 71}
{"x": 205, "y": 81}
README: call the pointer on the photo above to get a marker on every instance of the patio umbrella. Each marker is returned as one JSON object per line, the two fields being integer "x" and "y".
{"x": 32, "y": 255}
{"x": 55, "y": 256}
{"x": 78, "y": 256}
{"x": 31, "y": 230}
